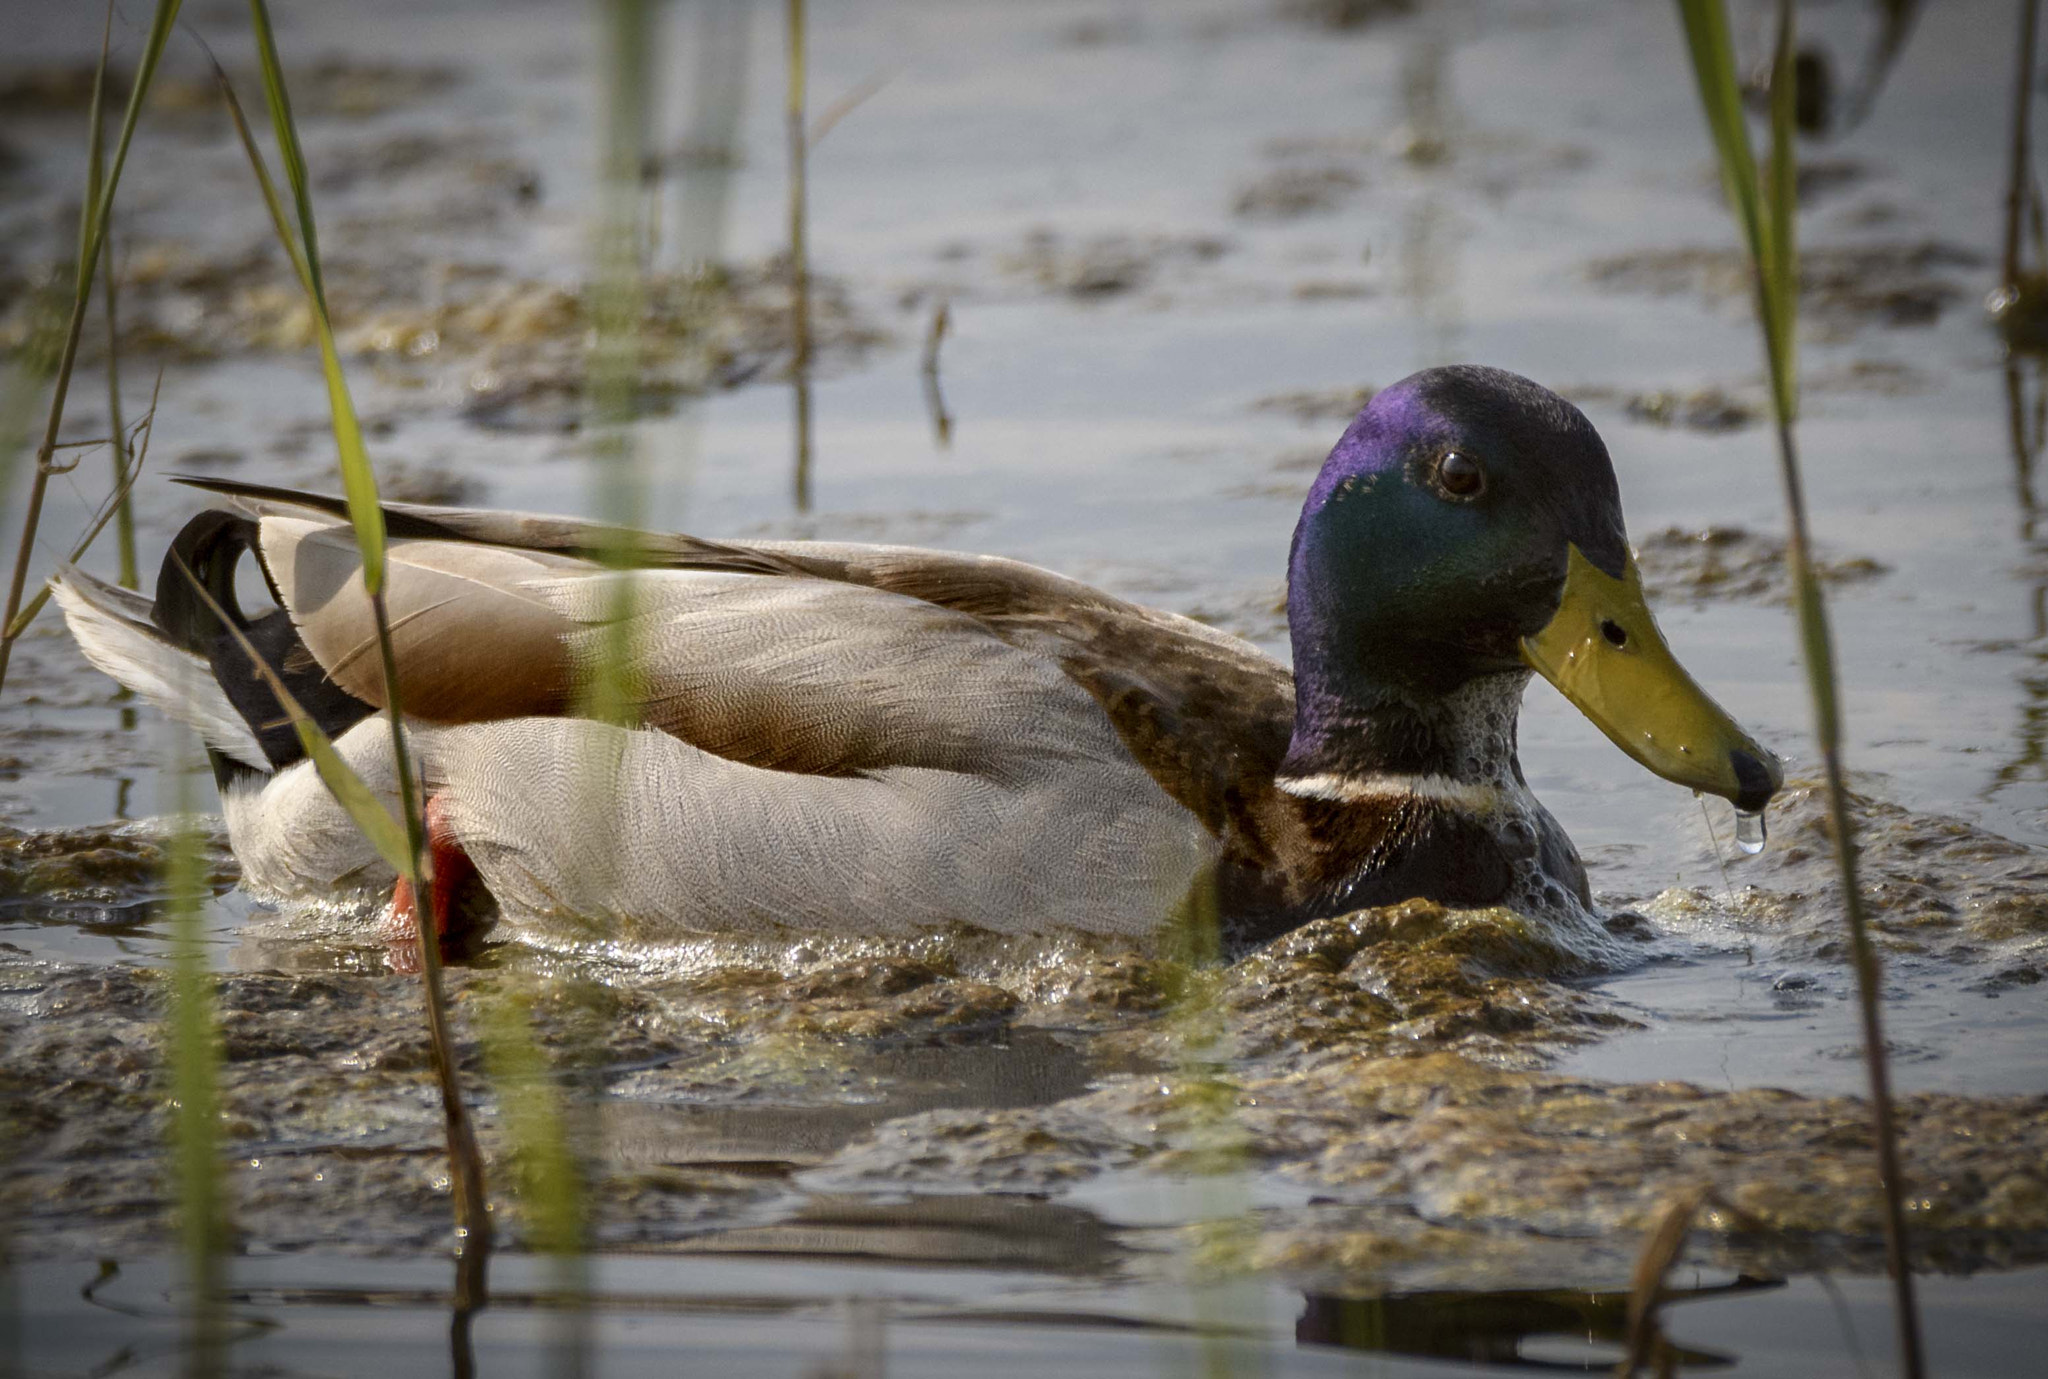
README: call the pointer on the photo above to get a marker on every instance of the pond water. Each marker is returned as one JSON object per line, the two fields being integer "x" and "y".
{"x": 752, "y": 1317}
{"x": 1174, "y": 243}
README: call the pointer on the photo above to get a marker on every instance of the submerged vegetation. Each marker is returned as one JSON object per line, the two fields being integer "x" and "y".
{"x": 1389, "y": 1064}
{"x": 1372, "y": 1108}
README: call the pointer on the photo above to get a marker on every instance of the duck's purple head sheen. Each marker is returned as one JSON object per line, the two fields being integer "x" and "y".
{"x": 1468, "y": 524}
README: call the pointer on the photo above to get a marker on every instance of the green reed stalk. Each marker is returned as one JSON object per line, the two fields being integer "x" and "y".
{"x": 359, "y": 484}
{"x": 124, "y": 507}
{"x": 124, "y": 510}
{"x": 718, "y": 92}
{"x": 1201, "y": 1041}
{"x": 92, "y": 234}
{"x": 1765, "y": 210}
{"x": 49, "y": 305}
{"x": 194, "y": 1053}
{"x": 718, "y": 89}
{"x": 618, "y": 302}
{"x": 536, "y": 1114}
{"x": 799, "y": 254}
{"x": 549, "y": 1175}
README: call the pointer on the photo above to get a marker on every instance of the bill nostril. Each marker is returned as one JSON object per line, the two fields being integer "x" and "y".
{"x": 1614, "y": 632}
{"x": 1756, "y": 781}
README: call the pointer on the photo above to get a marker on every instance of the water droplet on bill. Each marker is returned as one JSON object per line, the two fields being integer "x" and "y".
{"x": 1749, "y": 831}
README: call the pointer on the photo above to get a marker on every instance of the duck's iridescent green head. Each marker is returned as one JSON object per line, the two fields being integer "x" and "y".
{"x": 1468, "y": 524}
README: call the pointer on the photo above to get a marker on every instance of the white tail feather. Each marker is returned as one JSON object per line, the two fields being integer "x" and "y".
{"x": 108, "y": 623}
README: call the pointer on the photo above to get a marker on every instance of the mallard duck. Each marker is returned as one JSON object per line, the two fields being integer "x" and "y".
{"x": 879, "y": 739}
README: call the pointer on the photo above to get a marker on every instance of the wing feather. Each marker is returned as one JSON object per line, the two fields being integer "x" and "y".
{"x": 801, "y": 674}
{"x": 472, "y": 643}
{"x": 831, "y": 658}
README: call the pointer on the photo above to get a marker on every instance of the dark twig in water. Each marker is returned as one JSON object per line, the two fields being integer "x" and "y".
{"x": 1844, "y": 1322}
{"x": 845, "y": 106}
{"x": 2024, "y": 425}
{"x": 1765, "y": 208}
{"x": 1646, "y": 1342}
{"x": 2026, "y": 446}
{"x": 934, "y": 399}
{"x": 465, "y": 1159}
{"x": 2037, "y": 221}
{"x": 461, "y": 1352}
{"x": 799, "y": 257}
{"x": 1899, "y": 17}
{"x": 1644, "y": 1336}
{"x": 2020, "y": 174}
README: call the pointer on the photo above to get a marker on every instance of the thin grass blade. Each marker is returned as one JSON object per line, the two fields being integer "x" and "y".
{"x": 109, "y": 298}
{"x": 95, "y": 158}
{"x": 612, "y": 379}
{"x": 124, "y": 459}
{"x": 1713, "y": 64}
{"x": 366, "y": 515}
{"x": 358, "y": 479}
{"x": 799, "y": 143}
{"x": 193, "y": 1047}
{"x": 1781, "y": 203}
{"x": 145, "y": 72}
{"x": 278, "y": 99}
{"x": 531, "y": 1112}
{"x": 1769, "y": 231}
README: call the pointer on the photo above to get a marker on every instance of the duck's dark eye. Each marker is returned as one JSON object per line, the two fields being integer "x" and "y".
{"x": 1459, "y": 475}
{"x": 1614, "y": 632}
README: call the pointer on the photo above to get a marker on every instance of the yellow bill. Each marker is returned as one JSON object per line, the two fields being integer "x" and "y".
{"x": 1604, "y": 653}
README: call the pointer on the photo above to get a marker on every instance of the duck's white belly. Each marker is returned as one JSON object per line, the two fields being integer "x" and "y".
{"x": 639, "y": 830}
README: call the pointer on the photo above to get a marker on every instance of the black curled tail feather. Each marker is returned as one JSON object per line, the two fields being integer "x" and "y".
{"x": 206, "y": 551}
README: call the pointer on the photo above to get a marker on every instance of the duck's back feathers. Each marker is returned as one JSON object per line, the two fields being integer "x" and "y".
{"x": 821, "y": 657}
{"x": 474, "y": 641}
